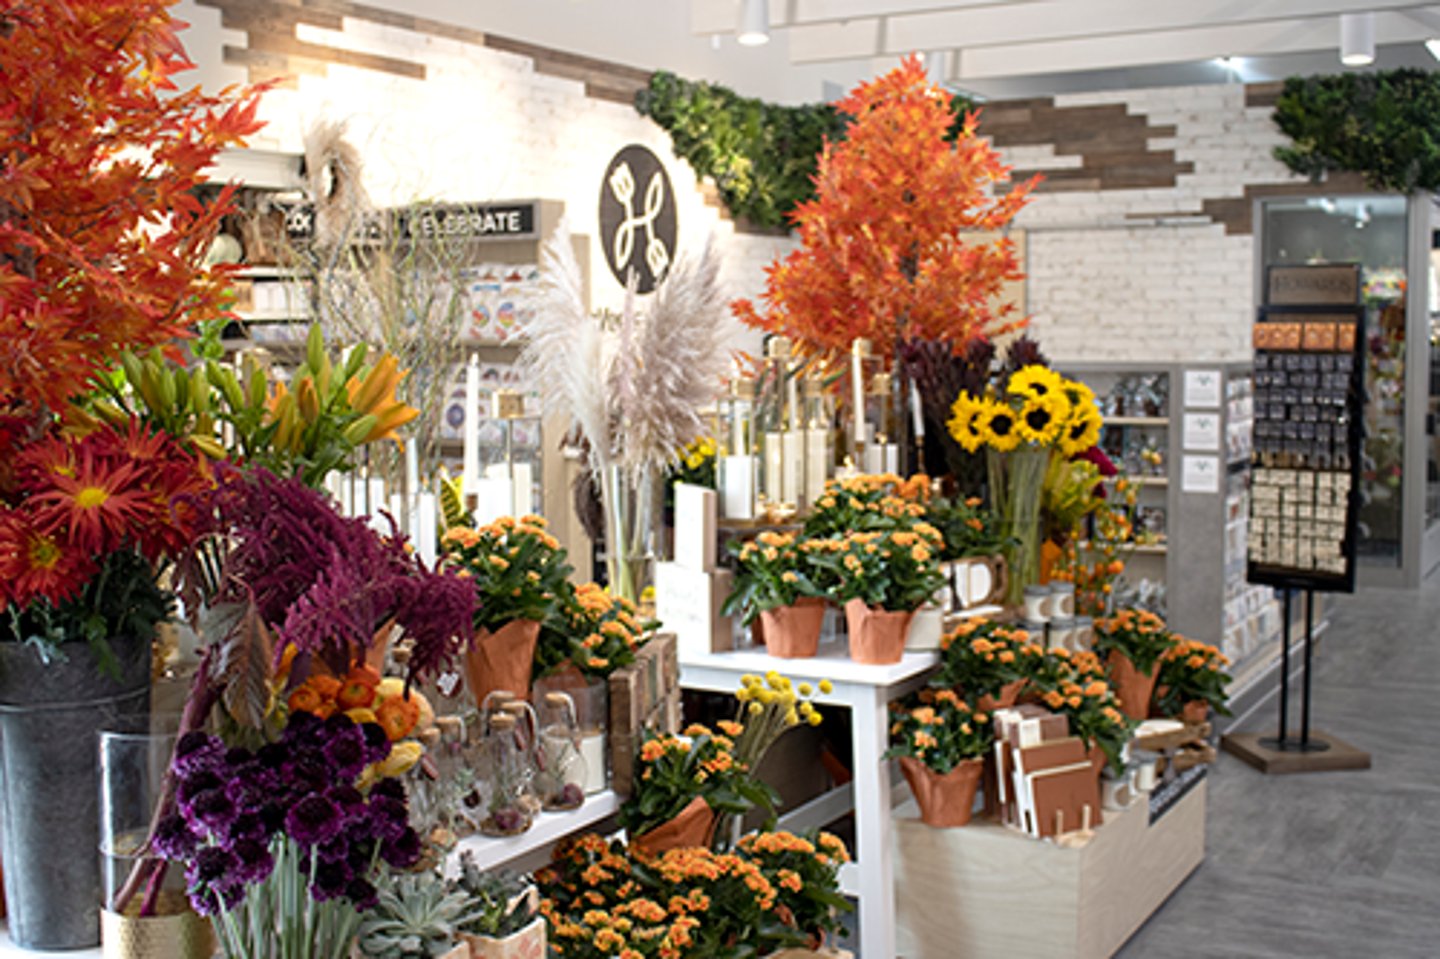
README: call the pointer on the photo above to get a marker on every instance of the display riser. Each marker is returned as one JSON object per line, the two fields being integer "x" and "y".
{"x": 987, "y": 890}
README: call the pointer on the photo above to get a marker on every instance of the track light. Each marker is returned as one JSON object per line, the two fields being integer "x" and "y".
{"x": 1357, "y": 39}
{"x": 754, "y": 23}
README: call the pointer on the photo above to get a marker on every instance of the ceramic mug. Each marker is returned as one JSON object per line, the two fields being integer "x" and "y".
{"x": 1062, "y": 601}
{"x": 979, "y": 580}
{"x": 1116, "y": 793}
{"x": 1145, "y": 776}
{"x": 1037, "y": 603}
{"x": 1062, "y": 634}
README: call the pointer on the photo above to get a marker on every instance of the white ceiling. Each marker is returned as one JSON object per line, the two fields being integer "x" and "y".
{"x": 1004, "y": 48}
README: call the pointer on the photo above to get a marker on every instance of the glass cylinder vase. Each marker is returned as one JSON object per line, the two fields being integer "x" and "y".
{"x": 1017, "y": 478}
{"x": 632, "y": 498}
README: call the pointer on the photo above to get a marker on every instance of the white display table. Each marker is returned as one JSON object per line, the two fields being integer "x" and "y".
{"x": 867, "y": 692}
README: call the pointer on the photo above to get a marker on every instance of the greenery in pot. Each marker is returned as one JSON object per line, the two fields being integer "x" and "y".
{"x": 500, "y": 903}
{"x": 939, "y": 729}
{"x": 1074, "y": 685}
{"x": 891, "y": 570}
{"x": 672, "y": 771}
{"x": 979, "y": 657}
{"x": 867, "y": 502}
{"x": 969, "y": 528}
{"x": 592, "y": 629}
{"x": 516, "y": 566}
{"x": 416, "y": 916}
{"x": 1192, "y": 671}
{"x": 773, "y": 891}
{"x": 1137, "y": 634}
{"x": 772, "y": 570}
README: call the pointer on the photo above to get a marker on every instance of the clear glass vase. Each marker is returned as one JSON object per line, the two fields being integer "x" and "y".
{"x": 1017, "y": 479}
{"x": 632, "y": 513}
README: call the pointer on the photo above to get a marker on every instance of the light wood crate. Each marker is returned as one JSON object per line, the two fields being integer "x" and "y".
{"x": 985, "y": 890}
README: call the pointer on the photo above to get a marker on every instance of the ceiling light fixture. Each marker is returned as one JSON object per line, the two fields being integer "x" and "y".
{"x": 1433, "y": 45}
{"x": 1357, "y": 39}
{"x": 754, "y": 23}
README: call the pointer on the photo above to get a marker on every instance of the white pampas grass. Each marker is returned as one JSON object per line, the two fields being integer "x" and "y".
{"x": 637, "y": 403}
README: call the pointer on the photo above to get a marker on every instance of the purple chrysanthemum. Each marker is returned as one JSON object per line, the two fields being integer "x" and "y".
{"x": 347, "y": 752}
{"x": 196, "y": 752}
{"x": 390, "y": 817}
{"x": 331, "y": 879}
{"x": 214, "y": 809}
{"x": 377, "y": 744}
{"x": 403, "y": 852}
{"x": 254, "y": 861}
{"x": 313, "y": 820}
{"x": 173, "y": 839}
{"x": 360, "y": 892}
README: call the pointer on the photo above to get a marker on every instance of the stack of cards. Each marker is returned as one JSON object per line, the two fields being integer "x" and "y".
{"x": 1047, "y": 783}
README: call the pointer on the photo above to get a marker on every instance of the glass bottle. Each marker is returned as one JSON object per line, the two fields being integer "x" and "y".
{"x": 561, "y": 772}
{"x": 819, "y": 454}
{"x": 504, "y": 777}
{"x": 735, "y": 438}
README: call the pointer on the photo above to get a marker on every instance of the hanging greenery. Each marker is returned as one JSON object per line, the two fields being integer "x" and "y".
{"x": 1384, "y": 126}
{"x": 761, "y": 156}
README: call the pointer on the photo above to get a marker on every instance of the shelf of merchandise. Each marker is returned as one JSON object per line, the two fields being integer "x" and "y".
{"x": 1137, "y": 421}
{"x": 531, "y": 849}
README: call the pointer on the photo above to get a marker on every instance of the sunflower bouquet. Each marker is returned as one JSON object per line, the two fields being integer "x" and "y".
{"x": 1022, "y": 423}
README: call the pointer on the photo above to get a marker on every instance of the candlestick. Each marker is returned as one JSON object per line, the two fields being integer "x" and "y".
{"x": 412, "y": 468}
{"x": 470, "y": 474}
{"x": 857, "y": 389}
{"x": 426, "y": 514}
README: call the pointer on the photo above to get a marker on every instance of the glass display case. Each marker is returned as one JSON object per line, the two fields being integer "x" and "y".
{"x": 1391, "y": 237}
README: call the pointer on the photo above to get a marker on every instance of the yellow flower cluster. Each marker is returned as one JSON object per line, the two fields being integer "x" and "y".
{"x": 1040, "y": 408}
{"x": 790, "y": 702}
{"x": 698, "y": 452}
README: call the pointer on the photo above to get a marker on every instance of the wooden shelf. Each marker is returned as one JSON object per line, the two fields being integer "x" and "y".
{"x": 1142, "y": 549}
{"x": 1142, "y": 480}
{"x": 1135, "y": 420}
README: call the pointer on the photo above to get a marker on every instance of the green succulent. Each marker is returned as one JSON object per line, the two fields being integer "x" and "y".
{"x": 500, "y": 903}
{"x": 416, "y": 917}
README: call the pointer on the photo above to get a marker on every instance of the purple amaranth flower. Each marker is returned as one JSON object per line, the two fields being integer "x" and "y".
{"x": 403, "y": 852}
{"x": 254, "y": 861}
{"x": 173, "y": 839}
{"x": 313, "y": 820}
{"x": 362, "y": 894}
{"x": 215, "y": 810}
{"x": 196, "y": 752}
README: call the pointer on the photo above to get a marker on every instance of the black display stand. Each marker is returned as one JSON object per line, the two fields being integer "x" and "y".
{"x": 1309, "y": 434}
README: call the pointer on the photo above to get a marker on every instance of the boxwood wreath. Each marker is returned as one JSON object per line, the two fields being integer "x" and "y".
{"x": 1384, "y": 126}
{"x": 760, "y": 156}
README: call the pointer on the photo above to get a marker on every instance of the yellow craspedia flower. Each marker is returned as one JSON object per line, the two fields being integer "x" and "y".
{"x": 1081, "y": 431}
{"x": 998, "y": 424}
{"x": 826, "y": 686}
{"x": 756, "y": 709}
{"x": 806, "y": 689}
{"x": 1035, "y": 380}
{"x": 791, "y": 717}
{"x": 964, "y": 422}
{"x": 814, "y": 718}
{"x": 1042, "y": 418}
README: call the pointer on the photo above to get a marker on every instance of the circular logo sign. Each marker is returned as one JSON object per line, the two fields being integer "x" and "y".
{"x": 637, "y": 217}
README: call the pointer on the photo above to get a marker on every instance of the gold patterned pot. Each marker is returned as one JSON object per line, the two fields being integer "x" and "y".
{"x": 186, "y": 935}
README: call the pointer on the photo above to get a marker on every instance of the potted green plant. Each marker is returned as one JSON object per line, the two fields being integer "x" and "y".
{"x": 883, "y": 577}
{"x": 941, "y": 743}
{"x": 775, "y": 582}
{"x": 502, "y": 920}
{"x": 1192, "y": 681}
{"x": 980, "y": 660}
{"x": 519, "y": 572}
{"x": 416, "y": 916}
{"x": 1132, "y": 642}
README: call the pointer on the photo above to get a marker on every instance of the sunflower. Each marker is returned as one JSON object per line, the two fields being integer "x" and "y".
{"x": 964, "y": 422}
{"x": 1042, "y": 418}
{"x": 998, "y": 425}
{"x": 1077, "y": 393}
{"x": 1081, "y": 431}
{"x": 1035, "y": 380}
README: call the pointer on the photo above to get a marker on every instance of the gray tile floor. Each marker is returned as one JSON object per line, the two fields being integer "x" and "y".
{"x": 1335, "y": 864}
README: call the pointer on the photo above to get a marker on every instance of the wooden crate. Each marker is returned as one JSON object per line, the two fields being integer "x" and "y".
{"x": 985, "y": 890}
{"x": 645, "y": 695}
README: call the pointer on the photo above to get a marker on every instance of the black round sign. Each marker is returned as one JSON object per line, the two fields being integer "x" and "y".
{"x": 637, "y": 217}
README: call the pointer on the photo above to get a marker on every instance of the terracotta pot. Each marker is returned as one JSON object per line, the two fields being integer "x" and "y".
{"x": 877, "y": 636}
{"x": 947, "y": 799}
{"x": 1195, "y": 712}
{"x": 691, "y": 827}
{"x": 793, "y": 632}
{"x": 502, "y": 659}
{"x": 1006, "y": 698}
{"x": 528, "y": 943}
{"x": 1132, "y": 687}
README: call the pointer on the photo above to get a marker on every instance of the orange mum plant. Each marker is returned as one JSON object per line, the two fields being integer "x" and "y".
{"x": 882, "y": 252}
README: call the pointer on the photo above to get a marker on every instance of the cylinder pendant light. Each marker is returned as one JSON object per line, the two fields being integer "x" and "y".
{"x": 754, "y": 23}
{"x": 1357, "y": 39}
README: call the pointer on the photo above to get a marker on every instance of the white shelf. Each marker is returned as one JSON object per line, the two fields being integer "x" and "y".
{"x": 491, "y": 852}
{"x": 832, "y": 663}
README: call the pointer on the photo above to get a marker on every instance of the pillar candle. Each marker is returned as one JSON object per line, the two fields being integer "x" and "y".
{"x": 470, "y": 474}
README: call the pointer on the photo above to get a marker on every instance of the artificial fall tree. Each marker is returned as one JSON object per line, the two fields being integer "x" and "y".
{"x": 883, "y": 252}
{"x": 102, "y": 238}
